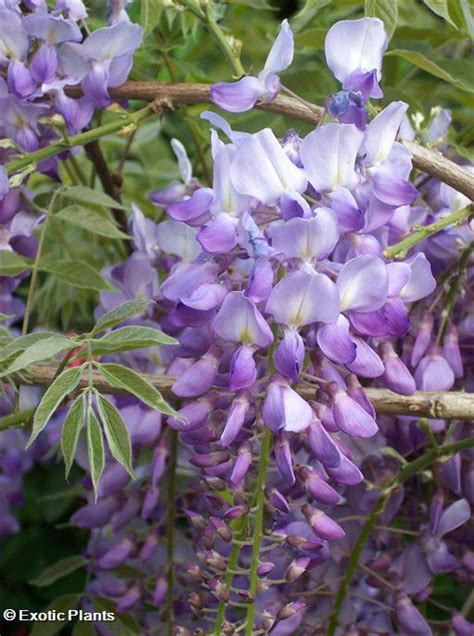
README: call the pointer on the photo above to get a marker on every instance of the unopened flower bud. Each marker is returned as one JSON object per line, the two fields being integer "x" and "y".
{"x": 296, "y": 569}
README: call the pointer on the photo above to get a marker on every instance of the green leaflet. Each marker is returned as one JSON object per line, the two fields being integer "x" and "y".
{"x": 116, "y": 433}
{"x": 121, "y": 313}
{"x": 58, "y": 570}
{"x": 77, "y": 273}
{"x": 95, "y": 449}
{"x": 122, "y": 377}
{"x": 70, "y": 432}
{"x": 61, "y": 387}
{"x": 43, "y": 349}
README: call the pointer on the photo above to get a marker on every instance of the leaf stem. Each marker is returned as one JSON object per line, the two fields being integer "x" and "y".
{"x": 77, "y": 140}
{"x": 35, "y": 268}
{"x": 265, "y": 451}
{"x": 170, "y": 521}
{"x": 409, "y": 470}
{"x": 400, "y": 249}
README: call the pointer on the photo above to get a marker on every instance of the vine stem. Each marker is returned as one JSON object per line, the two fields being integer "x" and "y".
{"x": 35, "y": 268}
{"x": 400, "y": 249}
{"x": 454, "y": 289}
{"x": 78, "y": 140}
{"x": 264, "y": 459}
{"x": 409, "y": 470}
{"x": 204, "y": 14}
{"x": 170, "y": 521}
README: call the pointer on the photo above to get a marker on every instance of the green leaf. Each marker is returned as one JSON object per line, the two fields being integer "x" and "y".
{"x": 461, "y": 13}
{"x": 91, "y": 220}
{"x": 309, "y": 11}
{"x": 311, "y": 38}
{"x": 95, "y": 449}
{"x": 128, "y": 338}
{"x": 124, "y": 624}
{"x": 58, "y": 570}
{"x": 149, "y": 15}
{"x": 123, "y": 312}
{"x": 124, "y": 378}
{"x": 386, "y": 10}
{"x": 440, "y": 7}
{"x": 70, "y": 432}
{"x": 61, "y": 387}
{"x": 83, "y": 629}
{"x": 23, "y": 342}
{"x": 116, "y": 433}
{"x": 89, "y": 195}
{"x": 418, "y": 59}
{"x": 78, "y": 274}
{"x": 11, "y": 264}
{"x": 42, "y": 350}
{"x": 61, "y": 604}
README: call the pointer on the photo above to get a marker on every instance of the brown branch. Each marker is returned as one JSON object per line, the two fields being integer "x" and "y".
{"x": 95, "y": 155}
{"x": 434, "y": 404}
{"x": 425, "y": 159}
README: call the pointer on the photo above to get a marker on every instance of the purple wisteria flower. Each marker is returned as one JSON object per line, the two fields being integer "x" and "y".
{"x": 242, "y": 95}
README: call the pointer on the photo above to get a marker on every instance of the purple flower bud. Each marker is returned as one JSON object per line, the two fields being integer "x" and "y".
{"x": 349, "y": 416}
{"x": 113, "y": 480}
{"x": 357, "y": 393}
{"x": 159, "y": 593}
{"x": 199, "y": 378}
{"x": 116, "y": 555}
{"x": 346, "y": 473}
{"x": 207, "y": 460}
{"x": 283, "y": 458}
{"x": 127, "y": 512}
{"x": 461, "y": 626}
{"x": 317, "y": 487}
{"x": 193, "y": 415}
{"x": 289, "y": 356}
{"x": 222, "y": 529}
{"x": 219, "y": 590}
{"x": 423, "y": 338}
{"x": 243, "y": 371}
{"x": 396, "y": 376}
{"x": 409, "y": 618}
{"x": 148, "y": 548}
{"x": 451, "y": 351}
{"x": 290, "y": 609}
{"x": 297, "y": 568}
{"x": 322, "y": 445}
{"x": 322, "y": 525}
{"x": 235, "y": 418}
{"x": 95, "y": 515}
{"x": 277, "y": 500}
{"x": 433, "y": 372}
{"x": 129, "y": 600}
{"x": 242, "y": 463}
{"x": 236, "y": 512}
{"x": 150, "y": 502}
{"x": 265, "y": 567}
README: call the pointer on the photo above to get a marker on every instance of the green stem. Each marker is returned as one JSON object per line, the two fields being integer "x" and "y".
{"x": 240, "y": 533}
{"x": 399, "y": 250}
{"x": 409, "y": 470}
{"x": 16, "y": 419}
{"x": 170, "y": 521}
{"x": 35, "y": 268}
{"x": 264, "y": 458}
{"x": 454, "y": 289}
{"x": 212, "y": 26}
{"x": 77, "y": 140}
{"x": 225, "y": 46}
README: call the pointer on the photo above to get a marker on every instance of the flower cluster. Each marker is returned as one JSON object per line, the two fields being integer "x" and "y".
{"x": 276, "y": 281}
